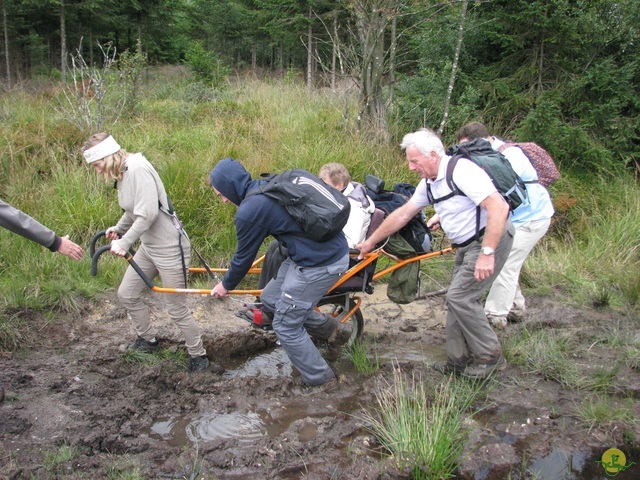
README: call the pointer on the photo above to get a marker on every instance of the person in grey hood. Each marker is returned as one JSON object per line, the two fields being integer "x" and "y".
{"x": 304, "y": 277}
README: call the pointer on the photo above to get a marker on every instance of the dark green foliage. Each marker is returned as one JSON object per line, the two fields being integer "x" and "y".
{"x": 561, "y": 73}
{"x": 206, "y": 67}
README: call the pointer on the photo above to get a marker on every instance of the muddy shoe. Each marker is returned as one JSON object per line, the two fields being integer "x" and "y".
{"x": 331, "y": 386}
{"x": 142, "y": 345}
{"x": 336, "y": 341}
{"x": 483, "y": 370}
{"x": 447, "y": 368}
{"x": 516, "y": 316}
{"x": 198, "y": 364}
{"x": 499, "y": 322}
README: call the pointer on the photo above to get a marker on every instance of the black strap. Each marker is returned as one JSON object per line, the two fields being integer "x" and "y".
{"x": 477, "y": 236}
{"x": 178, "y": 224}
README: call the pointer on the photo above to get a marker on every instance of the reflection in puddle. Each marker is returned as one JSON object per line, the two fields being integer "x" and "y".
{"x": 419, "y": 354}
{"x": 560, "y": 465}
{"x": 273, "y": 364}
{"x": 179, "y": 431}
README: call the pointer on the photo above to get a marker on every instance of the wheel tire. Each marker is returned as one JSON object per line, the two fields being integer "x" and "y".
{"x": 335, "y": 306}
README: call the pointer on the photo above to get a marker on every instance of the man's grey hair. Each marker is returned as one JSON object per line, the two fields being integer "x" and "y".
{"x": 425, "y": 140}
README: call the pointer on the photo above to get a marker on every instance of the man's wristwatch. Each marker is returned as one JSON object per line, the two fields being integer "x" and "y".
{"x": 488, "y": 250}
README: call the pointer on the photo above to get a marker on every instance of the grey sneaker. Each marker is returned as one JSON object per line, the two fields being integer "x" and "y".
{"x": 198, "y": 364}
{"x": 144, "y": 346}
{"x": 483, "y": 370}
{"x": 338, "y": 338}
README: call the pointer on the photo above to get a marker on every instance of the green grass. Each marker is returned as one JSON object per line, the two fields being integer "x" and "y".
{"x": 57, "y": 462}
{"x": 363, "y": 356}
{"x": 422, "y": 426}
{"x": 605, "y": 413}
{"x": 156, "y": 358}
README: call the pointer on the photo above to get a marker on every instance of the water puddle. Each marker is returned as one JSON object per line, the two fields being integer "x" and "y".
{"x": 181, "y": 431}
{"x": 418, "y": 353}
{"x": 271, "y": 364}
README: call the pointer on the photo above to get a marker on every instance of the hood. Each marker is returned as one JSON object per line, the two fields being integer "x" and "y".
{"x": 231, "y": 179}
{"x": 357, "y": 192}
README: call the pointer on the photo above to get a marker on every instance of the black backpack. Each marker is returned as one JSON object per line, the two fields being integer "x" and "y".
{"x": 319, "y": 209}
{"x": 504, "y": 178}
{"x": 416, "y": 232}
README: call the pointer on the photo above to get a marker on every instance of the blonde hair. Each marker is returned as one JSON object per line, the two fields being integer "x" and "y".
{"x": 335, "y": 174}
{"x": 113, "y": 165}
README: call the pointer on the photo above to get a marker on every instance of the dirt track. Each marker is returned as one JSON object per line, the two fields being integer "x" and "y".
{"x": 252, "y": 421}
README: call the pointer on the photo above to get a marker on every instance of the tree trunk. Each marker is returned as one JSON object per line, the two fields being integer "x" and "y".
{"x": 334, "y": 52}
{"x": 63, "y": 44}
{"x": 310, "y": 53}
{"x": 392, "y": 59}
{"x": 254, "y": 58}
{"x": 6, "y": 43}
{"x": 371, "y": 23}
{"x": 281, "y": 60}
{"x": 454, "y": 67}
{"x": 90, "y": 46}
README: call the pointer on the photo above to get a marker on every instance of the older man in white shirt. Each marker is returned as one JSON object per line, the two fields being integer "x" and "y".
{"x": 473, "y": 348}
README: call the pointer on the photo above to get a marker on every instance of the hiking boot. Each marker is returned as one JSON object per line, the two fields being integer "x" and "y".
{"x": 257, "y": 317}
{"x": 338, "y": 338}
{"x": 331, "y": 386}
{"x": 483, "y": 370}
{"x": 499, "y": 322}
{"x": 198, "y": 364}
{"x": 447, "y": 368}
{"x": 516, "y": 316}
{"x": 143, "y": 346}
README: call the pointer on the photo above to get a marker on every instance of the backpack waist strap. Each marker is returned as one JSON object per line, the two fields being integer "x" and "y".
{"x": 477, "y": 236}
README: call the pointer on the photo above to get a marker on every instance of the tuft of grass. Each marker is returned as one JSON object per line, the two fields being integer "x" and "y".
{"x": 156, "y": 358}
{"x": 13, "y": 333}
{"x": 605, "y": 412}
{"x": 422, "y": 427}
{"x": 57, "y": 462}
{"x": 364, "y": 360}
{"x": 545, "y": 352}
{"x": 123, "y": 468}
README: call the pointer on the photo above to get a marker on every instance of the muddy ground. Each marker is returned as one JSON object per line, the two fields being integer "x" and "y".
{"x": 77, "y": 394}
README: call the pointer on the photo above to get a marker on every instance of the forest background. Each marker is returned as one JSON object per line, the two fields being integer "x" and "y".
{"x": 280, "y": 84}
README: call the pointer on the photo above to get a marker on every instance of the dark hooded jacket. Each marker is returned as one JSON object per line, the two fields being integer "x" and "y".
{"x": 258, "y": 217}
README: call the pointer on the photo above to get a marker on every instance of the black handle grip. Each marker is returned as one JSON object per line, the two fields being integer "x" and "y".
{"x": 92, "y": 245}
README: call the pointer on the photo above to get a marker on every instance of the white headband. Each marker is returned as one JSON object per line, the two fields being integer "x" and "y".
{"x": 105, "y": 148}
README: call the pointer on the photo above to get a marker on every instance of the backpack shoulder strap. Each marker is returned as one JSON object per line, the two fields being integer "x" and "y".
{"x": 453, "y": 161}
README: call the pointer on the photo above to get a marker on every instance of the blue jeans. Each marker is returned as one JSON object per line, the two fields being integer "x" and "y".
{"x": 292, "y": 295}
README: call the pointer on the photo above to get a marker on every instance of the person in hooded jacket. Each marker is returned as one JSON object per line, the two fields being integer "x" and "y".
{"x": 355, "y": 231}
{"x": 304, "y": 277}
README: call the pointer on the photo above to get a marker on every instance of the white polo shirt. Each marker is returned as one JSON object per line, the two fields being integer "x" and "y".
{"x": 458, "y": 213}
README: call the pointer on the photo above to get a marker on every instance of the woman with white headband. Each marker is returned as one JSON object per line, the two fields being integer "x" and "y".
{"x": 143, "y": 199}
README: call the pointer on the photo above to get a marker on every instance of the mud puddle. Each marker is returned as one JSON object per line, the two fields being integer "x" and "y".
{"x": 78, "y": 392}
